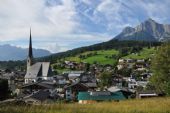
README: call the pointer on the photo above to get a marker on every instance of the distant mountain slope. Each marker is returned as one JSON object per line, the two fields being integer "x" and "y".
{"x": 8, "y": 52}
{"x": 148, "y": 30}
{"x": 112, "y": 44}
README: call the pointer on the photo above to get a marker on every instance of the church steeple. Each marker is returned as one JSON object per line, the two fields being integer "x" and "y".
{"x": 30, "y": 53}
{"x": 30, "y": 46}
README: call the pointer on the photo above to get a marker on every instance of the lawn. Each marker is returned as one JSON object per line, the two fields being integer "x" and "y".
{"x": 154, "y": 105}
{"x": 145, "y": 53}
{"x": 102, "y": 57}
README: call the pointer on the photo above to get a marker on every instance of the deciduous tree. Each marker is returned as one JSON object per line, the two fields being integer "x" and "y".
{"x": 161, "y": 69}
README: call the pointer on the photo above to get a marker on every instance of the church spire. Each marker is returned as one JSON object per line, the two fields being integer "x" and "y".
{"x": 30, "y": 46}
{"x": 30, "y": 54}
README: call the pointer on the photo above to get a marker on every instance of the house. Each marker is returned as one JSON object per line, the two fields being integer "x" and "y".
{"x": 36, "y": 71}
{"x": 141, "y": 69}
{"x": 73, "y": 75}
{"x": 89, "y": 81}
{"x": 90, "y": 85}
{"x": 60, "y": 82}
{"x": 132, "y": 84}
{"x": 39, "y": 97}
{"x": 147, "y": 94}
{"x": 130, "y": 60}
{"x": 60, "y": 79}
{"x": 120, "y": 66}
{"x": 126, "y": 92}
{"x": 122, "y": 60}
{"x": 108, "y": 67}
{"x": 38, "y": 86}
{"x": 117, "y": 80}
{"x": 72, "y": 90}
{"x": 142, "y": 83}
{"x": 36, "y": 92}
{"x": 91, "y": 97}
{"x": 146, "y": 76}
{"x": 141, "y": 61}
{"x": 70, "y": 64}
{"x": 130, "y": 66}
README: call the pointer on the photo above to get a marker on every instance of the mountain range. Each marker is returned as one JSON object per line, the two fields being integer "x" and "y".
{"x": 9, "y": 52}
{"x": 149, "y": 30}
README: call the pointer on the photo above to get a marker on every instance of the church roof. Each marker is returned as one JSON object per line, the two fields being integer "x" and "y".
{"x": 39, "y": 69}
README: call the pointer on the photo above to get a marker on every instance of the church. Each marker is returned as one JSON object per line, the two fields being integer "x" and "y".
{"x": 36, "y": 71}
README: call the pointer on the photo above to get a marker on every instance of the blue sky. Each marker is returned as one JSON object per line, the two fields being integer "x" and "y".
{"x": 60, "y": 25}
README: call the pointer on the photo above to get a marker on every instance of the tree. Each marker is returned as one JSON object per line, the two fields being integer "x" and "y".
{"x": 87, "y": 67}
{"x": 125, "y": 72}
{"x": 161, "y": 69}
{"x": 3, "y": 89}
{"x": 106, "y": 79}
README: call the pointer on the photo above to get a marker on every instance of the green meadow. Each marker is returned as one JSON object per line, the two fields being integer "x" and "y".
{"x": 102, "y": 57}
{"x": 145, "y": 53}
{"x": 105, "y": 56}
{"x": 154, "y": 105}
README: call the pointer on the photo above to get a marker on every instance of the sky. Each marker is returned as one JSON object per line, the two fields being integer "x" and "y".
{"x": 60, "y": 25}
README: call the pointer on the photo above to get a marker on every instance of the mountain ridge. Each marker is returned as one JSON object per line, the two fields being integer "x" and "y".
{"x": 149, "y": 30}
{"x": 9, "y": 52}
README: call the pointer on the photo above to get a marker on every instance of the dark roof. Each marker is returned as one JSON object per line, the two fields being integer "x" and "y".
{"x": 101, "y": 96}
{"x": 59, "y": 77}
{"x": 72, "y": 84}
{"x": 77, "y": 86}
{"x": 41, "y": 95}
{"x": 38, "y": 85}
{"x": 91, "y": 84}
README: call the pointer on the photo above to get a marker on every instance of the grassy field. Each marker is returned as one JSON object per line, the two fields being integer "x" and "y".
{"x": 144, "y": 54}
{"x": 102, "y": 57}
{"x": 156, "y": 105}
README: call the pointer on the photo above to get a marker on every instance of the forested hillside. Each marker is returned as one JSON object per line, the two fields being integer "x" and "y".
{"x": 122, "y": 46}
{"x": 107, "y": 53}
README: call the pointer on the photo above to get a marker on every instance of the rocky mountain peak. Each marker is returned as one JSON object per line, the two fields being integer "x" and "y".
{"x": 147, "y": 30}
{"x": 150, "y": 20}
{"x": 128, "y": 30}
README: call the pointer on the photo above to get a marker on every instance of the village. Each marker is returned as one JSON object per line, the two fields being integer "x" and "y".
{"x": 85, "y": 84}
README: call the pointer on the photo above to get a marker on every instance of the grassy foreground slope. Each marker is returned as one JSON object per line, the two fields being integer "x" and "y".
{"x": 154, "y": 105}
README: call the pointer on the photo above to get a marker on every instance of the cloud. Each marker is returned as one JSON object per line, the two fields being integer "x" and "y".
{"x": 59, "y": 25}
{"x": 76, "y": 40}
{"x": 158, "y": 10}
{"x": 45, "y": 21}
{"x": 53, "y": 23}
{"x": 117, "y": 14}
